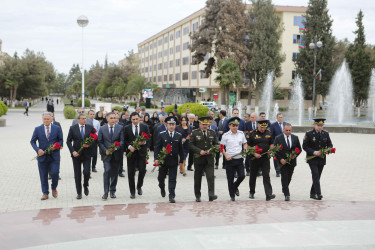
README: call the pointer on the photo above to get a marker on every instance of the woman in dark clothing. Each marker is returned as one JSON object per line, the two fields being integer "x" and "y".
{"x": 155, "y": 118}
{"x": 185, "y": 130}
{"x": 150, "y": 124}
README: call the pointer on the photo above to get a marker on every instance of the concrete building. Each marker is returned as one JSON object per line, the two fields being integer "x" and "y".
{"x": 166, "y": 59}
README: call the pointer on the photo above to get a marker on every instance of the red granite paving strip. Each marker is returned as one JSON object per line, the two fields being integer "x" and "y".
{"x": 48, "y": 226}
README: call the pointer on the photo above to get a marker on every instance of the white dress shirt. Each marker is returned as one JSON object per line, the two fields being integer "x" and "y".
{"x": 233, "y": 143}
{"x": 133, "y": 128}
{"x": 109, "y": 128}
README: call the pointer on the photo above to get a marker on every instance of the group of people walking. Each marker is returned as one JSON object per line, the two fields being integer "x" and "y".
{"x": 178, "y": 140}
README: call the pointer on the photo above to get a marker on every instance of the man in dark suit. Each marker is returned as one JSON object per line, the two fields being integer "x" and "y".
{"x": 277, "y": 129}
{"x": 241, "y": 127}
{"x": 50, "y": 107}
{"x": 77, "y": 134}
{"x": 220, "y": 125}
{"x": 138, "y": 157}
{"x": 108, "y": 135}
{"x": 171, "y": 162}
{"x": 193, "y": 125}
{"x": 54, "y": 122}
{"x": 313, "y": 142}
{"x": 250, "y": 126}
{"x": 290, "y": 143}
{"x": 46, "y": 135}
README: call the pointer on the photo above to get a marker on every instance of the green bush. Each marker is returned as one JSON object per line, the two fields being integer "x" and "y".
{"x": 69, "y": 112}
{"x": 118, "y": 107}
{"x": 87, "y": 103}
{"x": 3, "y": 108}
{"x": 195, "y": 108}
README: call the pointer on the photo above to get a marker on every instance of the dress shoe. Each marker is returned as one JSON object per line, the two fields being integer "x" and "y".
{"x": 79, "y": 196}
{"x": 212, "y": 198}
{"x": 232, "y": 198}
{"x": 139, "y": 191}
{"x": 86, "y": 190}
{"x": 54, "y": 193}
{"x": 94, "y": 170}
{"x": 247, "y": 173}
{"x": 313, "y": 196}
{"x": 105, "y": 196}
{"x": 171, "y": 200}
{"x": 132, "y": 196}
{"x": 198, "y": 199}
{"x": 223, "y": 167}
{"x": 162, "y": 191}
{"x": 121, "y": 175}
{"x": 113, "y": 196}
{"x": 251, "y": 196}
{"x": 270, "y": 197}
{"x": 237, "y": 192}
{"x": 320, "y": 197}
{"x": 190, "y": 169}
{"x": 44, "y": 197}
{"x": 287, "y": 198}
{"x": 184, "y": 174}
{"x": 59, "y": 178}
{"x": 216, "y": 166}
{"x": 277, "y": 175}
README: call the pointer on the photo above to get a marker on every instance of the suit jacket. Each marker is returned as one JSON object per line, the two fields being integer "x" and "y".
{"x": 75, "y": 136}
{"x": 241, "y": 126}
{"x": 104, "y": 141}
{"x": 198, "y": 143}
{"x": 130, "y": 137}
{"x": 276, "y": 130}
{"x": 43, "y": 143}
{"x": 249, "y": 126}
{"x": 280, "y": 140}
{"x": 177, "y": 154}
{"x": 59, "y": 125}
{"x": 214, "y": 128}
{"x": 314, "y": 142}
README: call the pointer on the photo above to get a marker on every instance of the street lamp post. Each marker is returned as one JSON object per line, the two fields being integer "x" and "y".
{"x": 83, "y": 21}
{"x": 317, "y": 44}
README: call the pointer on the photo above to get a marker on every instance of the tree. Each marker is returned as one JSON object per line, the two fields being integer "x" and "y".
{"x": 135, "y": 86}
{"x": 264, "y": 47}
{"x": 317, "y": 24}
{"x": 339, "y": 51}
{"x": 95, "y": 75}
{"x": 359, "y": 63}
{"x": 229, "y": 75}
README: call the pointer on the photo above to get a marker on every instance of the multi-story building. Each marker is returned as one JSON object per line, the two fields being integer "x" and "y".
{"x": 166, "y": 59}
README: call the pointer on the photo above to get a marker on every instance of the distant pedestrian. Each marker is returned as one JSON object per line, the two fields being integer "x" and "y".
{"x": 27, "y": 105}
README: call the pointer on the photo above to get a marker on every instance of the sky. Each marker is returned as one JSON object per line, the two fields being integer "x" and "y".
{"x": 117, "y": 26}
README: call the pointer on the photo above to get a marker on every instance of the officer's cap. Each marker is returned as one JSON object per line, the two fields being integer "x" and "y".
{"x": 263, "y": 123}
{"x": 204, "y": 120}
{"x": 170, "y": 119}
{"x": 234, "y": 120}
{"x": 319, "y": 121}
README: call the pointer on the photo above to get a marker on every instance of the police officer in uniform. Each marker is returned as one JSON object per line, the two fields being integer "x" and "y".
{"x": 313, "y": 142}
{"x": 262, "y": 138}
{"x": 234, "y": 140}
{"x": 201, "y": 140}
{"x": 171, "y": 162}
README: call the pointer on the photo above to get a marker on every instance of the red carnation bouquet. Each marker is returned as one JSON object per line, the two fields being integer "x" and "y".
{"x": 49, "y": 150}
{"x": 289, "y": 156}
{"x": 162, "y": 155}
{"x": 325, "y": 151}
{"x": 140, "y": 138}
{"x": 88, "y": 141}
{"x": 249, "y": 151}
{"x": 112, "y": 148}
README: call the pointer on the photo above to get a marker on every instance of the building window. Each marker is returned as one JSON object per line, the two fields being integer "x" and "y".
{"x": 165, "y": 65}
{"x": 142, "y": 70}
{"x": 170, "y": 77}
{"x": 177, "y": 77}
{"x": 154, "y": 79}
{"x": 185, "y": 76}
{"x": 166, "y": 52}
{"x": 178, "y": 34}
{"x": 159, "y": 78}
{"x": 150, "y": 70}
{"x": 146, "y": 69}
{"x": 295, "y": 55}
{"x": 178, "y": 47}
{"x": 151, "y": 46}
{"x": 194, "y": 75}
{"x": 159, "y": 66}
{"x": 166, "y": 39}
{"x": 160, "y": 42}
{"x": 195, "y": 26}
{"x": 155, "y": 67}
{"x": 299, "y": 21}
{"x": 185, "y": 46}
{"x": 150, "y": 57}
{"x": 298, "y": 39}
{"x": 160, "y": 54}
{"x": 171, "y": 64}
{"x": 186, "y": 30}
{"x": 203, "y": 75}
{"x": 171, "y": 51}
{"x": 185, "y": 60}
{"x": 154, "y": 44}
{"x": 171, "y": 37}
{"x": 178, "y": 62}
{"x": 150, "y": 79}
{"x": 293, "y": 74}
{"x": 165, "y": 78}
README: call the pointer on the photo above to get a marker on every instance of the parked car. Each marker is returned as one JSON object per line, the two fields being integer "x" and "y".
{"x": 211, "y": 105}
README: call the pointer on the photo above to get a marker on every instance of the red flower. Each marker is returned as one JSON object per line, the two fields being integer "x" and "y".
{"x": 256, "y": 148}
{"x": 281, "y": 146}
{"x": 247, "y": 131}
{"x": 57, "y": 145}
{"x": 260, "y": 150}
{"x": 297, "y": 150}
{"x": 221, "y": 147}
{"x": 94, "y": 136}
{"x": 333, "y": 150}
{"x": 146, "y": 162}
{"x": 168, "y": 148}
{"x": 95, "y": 130}
{"x": 117, "y": 144}
{"x": 275, "y": 159}
{"x": 145, "y": 135}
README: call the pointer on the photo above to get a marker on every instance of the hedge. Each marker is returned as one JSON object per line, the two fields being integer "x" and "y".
{"x": 195, "y": 108}
{"x": 3, "y": 108}
{"x": 69, "y": 112}
{"x": 118, "y": 107}
{"x": 87, "y": 102}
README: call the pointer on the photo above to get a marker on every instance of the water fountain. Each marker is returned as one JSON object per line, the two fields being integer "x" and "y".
{"x": 371, "y": 97}
{"x": 340, "y": 108}
{"x": 275, "y": 110}
{"x": 267, "y": 94}
{"x": 296, "y": 103}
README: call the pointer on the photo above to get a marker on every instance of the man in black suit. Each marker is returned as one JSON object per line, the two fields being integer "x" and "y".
{"x": 171, "y": 162}
{"x": 108, "y": 135}
{"x": 59, "y": 125}
{"x": 77, "y": 134}
{"x": 220, "y": 125}
{"x": 290, "y": 143}
{"x": 250, "y": 126}
{"x": 138, "y": 157}
{"x": 193, "y": 125}
{"x": 277, "y": 129}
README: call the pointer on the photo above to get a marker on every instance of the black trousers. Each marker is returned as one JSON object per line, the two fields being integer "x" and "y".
{"x": 232, "y": 166}
{"x": 121, "y": 168}
{"x": 133, "y": 163}
{"x": 77, "y": 163}
{"x": 276, "y": 165}
{"x": 110, "y": 174}
{"x": 94, "y": 153}
{"x": 172, "y": 179}
{"x": 191, "y": 159}
{"x": 247, "y": 164}
{"x": 264, "y": 165}
{"x": 209, "y": 170}
{"x": 316, "y": 172}
{"x": 286, "y": 176}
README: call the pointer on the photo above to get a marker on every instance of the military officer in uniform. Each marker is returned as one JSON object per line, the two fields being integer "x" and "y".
{"x": 263, "y": 139}
{"x": 234, "y": 140}
{"x": 201, "y": 141}
{"x": 315, "y": 140}
{"x": 171, "y": 162}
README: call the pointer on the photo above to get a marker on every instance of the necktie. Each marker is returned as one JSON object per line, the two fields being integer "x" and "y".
{"x": 136, "y": 130}
{"x": 204, "y": 135}
{"x": 82, "y": 133}
{"x": 171, "y": 135}
{"x": 48, "y": 133}
{"x": 111, "y": 132}
{"x": 287, "y": 142}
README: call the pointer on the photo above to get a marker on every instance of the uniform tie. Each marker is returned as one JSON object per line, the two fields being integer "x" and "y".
{"x": 204, "y": 135}
{"x": 171, "y": 135}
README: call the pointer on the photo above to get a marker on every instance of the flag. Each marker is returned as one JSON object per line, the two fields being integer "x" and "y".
{"x": 319, "y": 74}
{"x": 301, "y": 46}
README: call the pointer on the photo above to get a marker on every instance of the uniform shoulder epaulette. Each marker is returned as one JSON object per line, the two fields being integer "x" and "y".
{"x": 309, "y": 131}
{"x": 227, "y": 133}
{"x": 324, "y": 131}
{"x": 163, "y": 132}
{"x": 240, "y": 131}
{"x": 178, "y": 133}
{"x": 195, "y": 129}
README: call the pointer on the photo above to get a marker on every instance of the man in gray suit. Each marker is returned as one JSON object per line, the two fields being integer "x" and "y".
{"x": 108, "y": 135}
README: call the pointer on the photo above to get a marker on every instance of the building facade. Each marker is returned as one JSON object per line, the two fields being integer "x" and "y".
{"x": 166, "y": 59}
